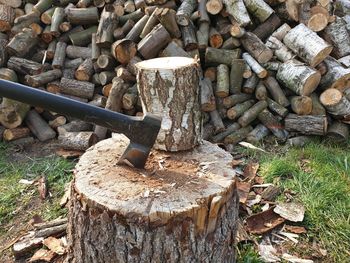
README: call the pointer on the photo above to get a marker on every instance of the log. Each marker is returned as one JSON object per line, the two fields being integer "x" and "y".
{"x": 171, "y": 73}
{"x": 214, "y": 56}
{"x": 216, "y": 121}
{"x": 236, "y": 75}
{"x": 251, "y": 114}
{"x": 206, "y": 219}
{"x": 189, "y": 37}
{"x": 230, "y": 129}
{"x": 39, "y": 127}
{"x": 157, "y": 39}
{"x": 82, "y": 38}
{"x": 230, "y": 43}
{"x": 281, "y": 32}
{"x": 14, "y": 134}
{"x": 279, "y": 49}
{"x": 152, "y": 21}
{"x": 123, "y": 50}
{"x": 207, "y": 99}
{"x": 82, "y": 16}
{"x": 74, "y": 126}
{"x": 317, "y": 108}
{"x": 79, "y": 141}
{"x": 12, "y": 3}
{"x": 132, "y": 65}
{"x": 301, "y": 105}
{"x": 336, "y": 76}
{"x": 234, "y": 99}
{"x": 256, "y": 48}
{"x": 266, "y": 29}
{"x": 106, "y": 77}
{"x": 210, "y": 73}
{"x": 185, "y": 11}
{"x": 299, "y": 78}
{"x": 273, "y": 124}
{"x": 65, "y": 36}
{"x": 173, "y": 50}
{"x": 106, "y": 62}
{"x": 2, "y": 129}
{"x": 276, "y": 92}
{"x": 259, "y": 9}
{"x": 337, "y": 34}
{"x": 338, "y": 132}
{"x": 299, "y": 141}
{"x": 77, "y": 88}
{"x": 85, "y": 70}
{"x": 57, "y": 122}
{"x": 95, "y": 49}
{"x": 60, "y": 55}
{"x": 238, "y": 135}
{"x": 42, "y": 5}
{"x": 335, "y": 103}
{"x": 250, "y": 84}
{"x": 134, "y": 16}
{"x": 239, "y": 109}
{"x": 65, "y": 27}
{"x": 319, "y": 18}
{"x": 167, "y": 18}
{"x": 277, "y": 108}
{"x": 68, "y": 73}
{"x": 57, "y": 19}
{"x": 22, "y": 43}
{"x": 7, "y": 17}
{"x": 121, "y": 32}
{"x": 43, "y": 78}
{"x": 125, "y": 75}
{"x": 98, "y": 101}
{"x": 307, "y": 45}
{"x": 238, "y": 11}
{"x": 108, "y": 23}
{"x": 24, "y": 66}
{"x": 223, "y": 81}
{"x": 114, "y": 101}
{"x": 254, "y": 65}
{"x": 215, "y": 39}
{"x": 78, "y": 52}
{"x": 135, "y": 32}
{"x": 257, "y": 134}
{"x": 3, "y": 51}
{"x": 129, "y": 100}
{"x": 306, "y": 124}
{"x": 260, "y": 91}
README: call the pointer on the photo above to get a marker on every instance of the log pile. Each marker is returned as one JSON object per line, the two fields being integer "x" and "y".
{"x": 268, "y": 66}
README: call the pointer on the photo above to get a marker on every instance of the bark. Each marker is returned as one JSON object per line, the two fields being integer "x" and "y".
{"x": 16, "y": 133}
{"x": 306, "y": 124}
{"x": 24, "y": 22}
{"x": 43, "y": 78}
{"x": 22, "y": 43}
{"x": 266, "y": 29}
{"x": 214, "y": 56}
{"x": 338, "y": 132}
{"x": 336, "y": 75}
{"x": 12, "y": 3}
{"x": 65, "y": 37}
{"x": 157, "y": 39}
{"x": 78, "y": 52}
{"x": 39, "y": 127}
{"x": 259, "y": 133}
{"x": 79, "y": 141}
{"x": 7, "y": 17}
{"x": 124, "y": 50}
{"x": 256, "y": 48}
{"x": 236, "y": 75}
{"x": 254, "y": 65}
{"x": 118, "y": 89}
{"x": 134, "y": 16}
{"x": 238, "y": 135}
{"x": 276, "y": 92}
{"x": 238, "y": 11}
{"x": 154, "y": 235}
{"x": 3, "y": 52}
{"x": 277, "y": 108}
{"x": 185, "y": 11}
{"x": 273, "y": 124}
{"x": 335, "y": 103}
{"x": 132, "y": 68}
{"x": 232, "y": 100}
{"x": 238, "y": 110}
{"x": 85, "y": 70}
{"x": 82, "y": 16}
{"x": 108, "y": 23}
{"x": 77, "y": 88}
{"x": 259, "y": 9}
{"x": 299, "y": 78}
{"x": 230, "y": 129}
{"x": 167, "y": 74}
{"x": 307, "y": 45}
{"x": 251, "y": 114}
{"x": 301, "y": 105}
{"x": 207, "y": 99}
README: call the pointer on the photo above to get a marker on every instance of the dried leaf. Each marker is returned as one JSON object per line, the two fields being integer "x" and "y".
{"x": 295, "y": 259}
{"x": 42, "y": 187}
{"x": 242, "y": 234}
{"x": 268, "y": 253}
{"x": 65, "y": 198}
{"x": 291, "y": 211}
{"x": 54, "y": 245}
{"x": 295, "y": 229}
{"x": 43, "y": 255}
{"x": 69, "y": 154}
{"x": 250, "y": 171}
{"x": 263, "y": 222}
{"x": 243, "y": 191}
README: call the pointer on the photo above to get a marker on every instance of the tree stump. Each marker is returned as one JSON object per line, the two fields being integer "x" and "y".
{"x": 182, "y": 207}
{"x": 169, "y": 87}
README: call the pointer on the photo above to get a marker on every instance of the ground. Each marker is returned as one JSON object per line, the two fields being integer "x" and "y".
{"x": 318, "y": 175}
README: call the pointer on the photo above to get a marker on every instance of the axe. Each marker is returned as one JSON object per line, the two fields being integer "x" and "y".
{"x": 142, "y": 131}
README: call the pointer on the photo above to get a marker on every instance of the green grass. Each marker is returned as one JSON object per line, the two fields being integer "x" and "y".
{"x": 319, "y": 175}
{"x": 15, "y": 197}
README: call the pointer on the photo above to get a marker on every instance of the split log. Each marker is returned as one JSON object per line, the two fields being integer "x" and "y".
{"x": 251, "y": 114}
{"x": 135, "y": 32}
{"x": 152, "y": 22}
{"x": 157, "y": 39}
{"x": 299, "y": 78}
{"x": 130, "y": 99}
{"x": 22, "y": 43}
{"x": 185, "y": 11}
{"x": 307, "y": 45}
{"x": 259, "y": 9}
{"x": 257, "y": 134}
{"x": 266, "y": 29}
{"x": 301, "y": 105}
{"x": 336, "y": 76}
{"x": 207, "y": 219}
{"x": 82, "y": 16}
{"x": 238, "y": 11}
{"x": 337, "y": 34}
{"x": 123, "y": 50}
{"x": 306, "y": 124}
{"x": 74, "y": 126}
{"x": 239, "y": 109}
{"x": 217, "y": 122}
{"x": 43, "y": 78}
{"x": 223, "y": 81}
{"x": 79, "y": 141}
{"x": 207, "y": 99}
{"x": 256, "y": 48}
{"x": 39, "y": 127}
{"x": 276, "y": 92}
{"x": 236, "y": 75}
{"x": 77, "y": 88}
{"x": 60, "y": 55}
{"x": 78, "y": 52}
{"x": 24, "y": 66}
{"x": 230, "y": 129}
{"x": 85, "y": 71}
{"x": 171, "y": 74}
{"x": 7, "y": 17}
{"x": 167, "y": 18}
{"x": 214, "y": 56}
{"x": 338, "y": 132}
{"x": 234, "y": 99}
{"x": 238, "y": 135}
{"x": 250, "y": 84}
{"x": 277, "y": 108}
{"x": 107, "y": 25}
{"x": 273, "y": 124}
{"x": 345, "y": 61}
{"x": 254, "y": 65}
{"x": 260, "y": 91}
{"x": 16, "y": 133}
{"x": 335, "y": 103}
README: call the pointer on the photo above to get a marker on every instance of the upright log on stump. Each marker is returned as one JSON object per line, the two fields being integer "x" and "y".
{"x": 171, "y": 214}
{"x": 169, "y": 87}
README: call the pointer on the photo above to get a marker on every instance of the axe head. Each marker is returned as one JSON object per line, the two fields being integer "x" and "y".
{"x": 142, "y": 138}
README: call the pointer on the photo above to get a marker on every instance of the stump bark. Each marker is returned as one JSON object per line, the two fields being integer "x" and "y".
{"x": 169, "y": 87}
{"x": 174, "y": 210}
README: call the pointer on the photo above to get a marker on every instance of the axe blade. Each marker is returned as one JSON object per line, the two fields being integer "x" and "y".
{"x": 135, "y": 155}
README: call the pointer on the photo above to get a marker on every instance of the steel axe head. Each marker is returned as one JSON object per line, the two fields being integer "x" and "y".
{"x": 142, "y": 138}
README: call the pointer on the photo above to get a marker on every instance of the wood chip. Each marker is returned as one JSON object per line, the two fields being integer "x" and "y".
{"x": 295, "y": 229}
{"x": 242, "y": 234}
{"x": 42, "y": 255}
{"x": 243, "y": 190}
{"x": 54, "y": 245}
{"x": 295, "y": 259}
{"x": 291, "y": 211}
{"x": 268, "y": 253}
{"x": 250, "y": 171}
{"x": 263, "y": 222}
{"x": 25, "y": 245}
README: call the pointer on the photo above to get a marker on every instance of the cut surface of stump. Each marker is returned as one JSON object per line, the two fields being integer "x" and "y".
{"x": 181, "y": 208}
{"x": 169, "y": 87}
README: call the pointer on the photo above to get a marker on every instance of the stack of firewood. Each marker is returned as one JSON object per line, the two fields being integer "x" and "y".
{"x": 268, "y": 66}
